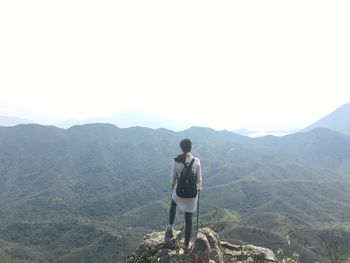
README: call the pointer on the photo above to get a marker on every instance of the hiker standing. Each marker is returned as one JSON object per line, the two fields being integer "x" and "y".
{"x": 184, "y": 196}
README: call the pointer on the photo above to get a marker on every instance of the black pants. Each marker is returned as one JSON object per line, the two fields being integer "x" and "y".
{"x": 188, "y": 221}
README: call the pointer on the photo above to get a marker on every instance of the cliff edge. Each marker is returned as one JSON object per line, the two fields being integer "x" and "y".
{"x": 207, "y": 247}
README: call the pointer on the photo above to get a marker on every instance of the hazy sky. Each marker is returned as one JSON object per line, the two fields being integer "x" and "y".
{"x": 223, "y": 64}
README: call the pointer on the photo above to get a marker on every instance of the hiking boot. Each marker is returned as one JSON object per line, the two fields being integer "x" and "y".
{"x": 188, "y": 249}
{"x": 169, "y": 233}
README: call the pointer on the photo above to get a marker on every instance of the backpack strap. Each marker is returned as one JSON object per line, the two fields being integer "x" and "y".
{"x": 191, "y": 163}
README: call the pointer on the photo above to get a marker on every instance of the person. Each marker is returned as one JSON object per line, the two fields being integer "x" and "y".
{"x": 187, "y": 205}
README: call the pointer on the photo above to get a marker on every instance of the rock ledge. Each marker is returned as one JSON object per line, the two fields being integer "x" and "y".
{"x": 207, "y": 247}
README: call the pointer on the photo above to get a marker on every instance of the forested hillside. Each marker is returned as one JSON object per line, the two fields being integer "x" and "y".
{"x": 90, "y": 192}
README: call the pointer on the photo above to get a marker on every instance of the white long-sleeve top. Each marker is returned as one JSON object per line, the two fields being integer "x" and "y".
{"x": 186, "y": 204}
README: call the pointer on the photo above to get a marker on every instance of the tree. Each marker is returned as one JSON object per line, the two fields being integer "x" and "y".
{"x": 335, "y": 244}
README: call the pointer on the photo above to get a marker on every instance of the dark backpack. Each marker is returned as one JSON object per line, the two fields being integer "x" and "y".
{"x": 187, "y": 184}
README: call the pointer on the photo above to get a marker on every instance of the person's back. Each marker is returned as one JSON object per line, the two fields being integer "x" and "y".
{"x": 187, "y": 205}
{"x": 187, "y": 184}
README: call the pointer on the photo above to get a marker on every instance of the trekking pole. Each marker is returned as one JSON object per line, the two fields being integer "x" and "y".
{"x": 197, "y": 212}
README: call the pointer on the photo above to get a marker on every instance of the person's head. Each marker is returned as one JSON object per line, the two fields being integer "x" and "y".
{"x": 186, "y": 145}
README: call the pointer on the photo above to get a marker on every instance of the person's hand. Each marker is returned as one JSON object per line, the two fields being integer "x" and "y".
{"x": 199, "y": 188}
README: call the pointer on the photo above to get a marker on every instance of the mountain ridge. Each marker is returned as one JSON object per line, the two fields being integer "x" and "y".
{"x": 338, "y": 120}
{"x": 8, "y": 121}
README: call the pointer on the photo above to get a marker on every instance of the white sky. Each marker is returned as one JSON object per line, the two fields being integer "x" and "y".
{"x": 223, "y": 64}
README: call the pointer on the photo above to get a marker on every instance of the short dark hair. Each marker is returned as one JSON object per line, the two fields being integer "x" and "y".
{"x": 186, "y": 145}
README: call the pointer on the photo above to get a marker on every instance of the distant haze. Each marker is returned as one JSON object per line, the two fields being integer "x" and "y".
{"x": 257, "y": 65}
{"x": 129, "y": 119}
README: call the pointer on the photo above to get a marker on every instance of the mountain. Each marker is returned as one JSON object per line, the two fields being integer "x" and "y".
{"x": 130, "y": 119}
{"x": 76, "y": 194}
{"x": 339, "y": 120}
{"x": 12, "y": 121}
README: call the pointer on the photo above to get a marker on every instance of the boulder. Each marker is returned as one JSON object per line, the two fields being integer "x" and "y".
{"x": 207, "y": 247}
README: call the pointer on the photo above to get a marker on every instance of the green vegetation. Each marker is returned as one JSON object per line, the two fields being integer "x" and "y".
{"x": 294, "y": 258}
{"x": 67, "y": 241}
{"x": 89, "y": 193}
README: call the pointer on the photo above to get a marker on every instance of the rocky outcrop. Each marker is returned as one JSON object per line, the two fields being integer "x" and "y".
{"x": 207, "y": 247}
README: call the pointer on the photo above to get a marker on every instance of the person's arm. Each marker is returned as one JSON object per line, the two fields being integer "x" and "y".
{"x": 173, "y": 176}
{"x": 199, "y": 177}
